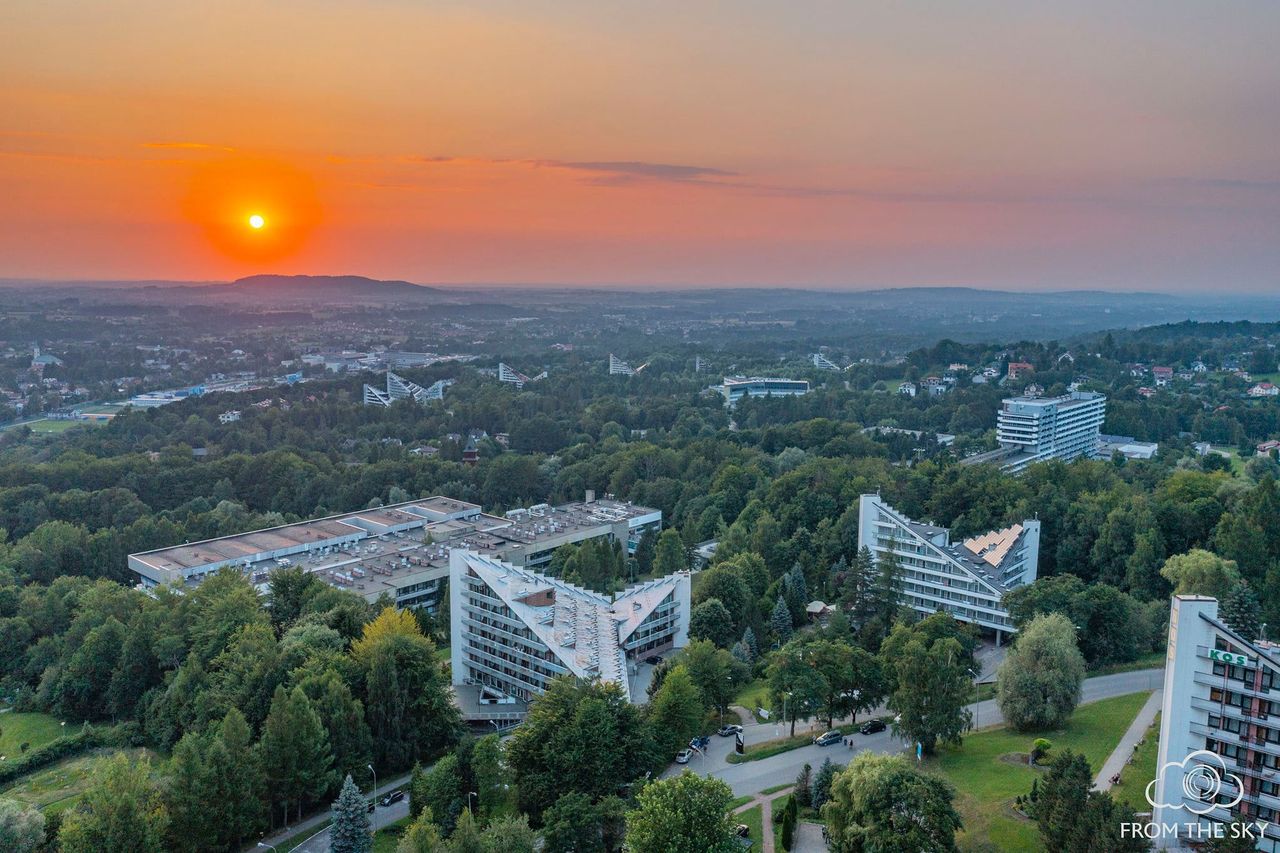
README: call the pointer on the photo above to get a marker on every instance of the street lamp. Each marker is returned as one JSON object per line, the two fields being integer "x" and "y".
{"x": 471, "y": 794}
{"x": 374, "y": 797}
{"x": 266, "y": 846}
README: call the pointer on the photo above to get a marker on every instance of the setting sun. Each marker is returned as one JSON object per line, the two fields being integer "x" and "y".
{"x": 256, "y": 221}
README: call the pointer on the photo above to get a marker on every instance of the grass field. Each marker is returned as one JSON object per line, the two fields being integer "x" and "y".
{"x": 753, "y": 817}
{"x": 59, "y": 786}
{"x": 1136, "y": 776}
{"x": 33, "y": 729}
{"x": 1151, "y": 660}
{"x": 765, "y": 749}
{"x": 754, "y": 695}
{"x": 386, "y": 838}
{"x": 986, "y": 785}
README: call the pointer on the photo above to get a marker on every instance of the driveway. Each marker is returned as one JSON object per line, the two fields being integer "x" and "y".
{"x": 808, "y": 839}
{"x": 752, "y": 777}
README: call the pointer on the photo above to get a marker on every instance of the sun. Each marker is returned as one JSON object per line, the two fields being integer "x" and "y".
{"x": 257, "y": 221}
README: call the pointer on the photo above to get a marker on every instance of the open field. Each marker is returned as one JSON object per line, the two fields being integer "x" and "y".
{"x": 986, "y": 783}
{"x": 59, "y": 786}
{"x": 35, "y": 730}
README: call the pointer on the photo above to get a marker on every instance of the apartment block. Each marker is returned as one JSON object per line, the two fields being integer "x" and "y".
{"x": 1219, "y": 754}
{"x": 514, "y": 630}
{"x": 965, "y": 579}
{"x": 1036, "y": 429}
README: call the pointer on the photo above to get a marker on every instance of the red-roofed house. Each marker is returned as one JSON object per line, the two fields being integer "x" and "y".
{"x": 1264, "y": 389}
{"x": 1019, "y": 369}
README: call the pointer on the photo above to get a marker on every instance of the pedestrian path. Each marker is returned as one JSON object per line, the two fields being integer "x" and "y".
{"x": 765, "y": 802}
{"x": 1119, "y": 757}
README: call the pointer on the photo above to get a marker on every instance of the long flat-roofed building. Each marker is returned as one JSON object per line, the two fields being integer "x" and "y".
{"x": 1219, "y": 754}
{"x": 400, "y": 550}
{"x": 734, "y": 388}
{"x": 514, "y": 630}
{"x": 965, "y": 579}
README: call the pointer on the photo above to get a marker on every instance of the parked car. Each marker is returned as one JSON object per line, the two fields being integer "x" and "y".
{"x": 833, "y": 736}
{"x": 700, "y": 742}
{"x": 870, "y": 727}
{"x": 742, "y": 831}
{"x": 653, "y": 660}
{"x": 393, "y": 797}
{"x": 729, "y": 731}
{"x": 683, "y": 756}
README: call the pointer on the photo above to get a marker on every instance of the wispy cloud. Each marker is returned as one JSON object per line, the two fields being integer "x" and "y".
{"x": 639, "y": 170}
{"x": 189, "y": 146}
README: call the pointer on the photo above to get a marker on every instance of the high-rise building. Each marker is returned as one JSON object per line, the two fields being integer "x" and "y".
{"x": 1036, "y": 429}
{"x": 514, "y": 630}
{"x": 966, "y": 580}
{"x": 1219, "y": 755}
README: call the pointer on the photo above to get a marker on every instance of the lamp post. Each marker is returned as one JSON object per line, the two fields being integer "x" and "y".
{"x": 264, "y": 845}
{"x": 471, "y": 794}
{"x": 375, "y": 797}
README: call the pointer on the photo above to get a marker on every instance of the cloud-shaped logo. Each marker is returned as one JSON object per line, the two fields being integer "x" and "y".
{"x": 1201, "y": 783}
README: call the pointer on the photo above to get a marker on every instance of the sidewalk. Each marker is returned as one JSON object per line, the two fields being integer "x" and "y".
{"x": 1119, "y": 757}
{"x": 765, "y": 802}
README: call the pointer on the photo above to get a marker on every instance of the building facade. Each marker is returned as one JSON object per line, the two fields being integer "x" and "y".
{"x": 1034, "y": 429}
{"x": 1220, "y": 720}
{"x": 515, "y": 630}
{"x": 734, "y": 388}
{"x": 966, "y": 580}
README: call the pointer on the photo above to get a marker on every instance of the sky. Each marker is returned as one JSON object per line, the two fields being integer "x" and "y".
{"x": 1016, "y": 145}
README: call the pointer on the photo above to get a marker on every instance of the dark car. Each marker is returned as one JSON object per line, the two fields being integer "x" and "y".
{"x": 729, "y": 730}
{"x": 833, "y": 736}
{"x": 653, "y": 660}
{"x": 700, "y": 742}
{"x": 870, "y": 727}
{"x": 393, "y": 797}
{"x": 742, "y": 831}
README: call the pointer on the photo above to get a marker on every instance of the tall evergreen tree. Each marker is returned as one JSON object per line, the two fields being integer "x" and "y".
{"x": 1241, "y": 610}
{"x": 860, "y": 586}
{"x": 780, "y": 622}
{"x": 294, "y": 751}
{"x": 749, "y": 640}
{"x": 351, "y": 832}
{"x": 887, "y": 594}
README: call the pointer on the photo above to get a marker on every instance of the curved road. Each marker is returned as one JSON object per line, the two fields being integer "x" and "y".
{"x": 752, "y": 777}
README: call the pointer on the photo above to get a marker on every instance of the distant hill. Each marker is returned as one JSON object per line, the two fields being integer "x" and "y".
{"x": 355, "y": 287}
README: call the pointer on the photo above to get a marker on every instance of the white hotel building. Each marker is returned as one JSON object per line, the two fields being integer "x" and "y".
{"x": 966, "y": 580}
{"x": 1221, "y": 712}
{"x": 1036, "y": 429}
{"x": 514, "y": 630}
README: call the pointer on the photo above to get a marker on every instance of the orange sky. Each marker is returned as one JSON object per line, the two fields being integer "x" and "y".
{"x": 851, "y": 144}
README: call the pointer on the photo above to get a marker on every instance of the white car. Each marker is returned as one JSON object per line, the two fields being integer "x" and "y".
{"x": 683, "y": 756}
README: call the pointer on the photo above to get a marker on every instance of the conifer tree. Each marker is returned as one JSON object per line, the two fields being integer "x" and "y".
{"x": 780, "y": 621}
{"x": 1241, "y": 610}
{"x": 351, "y": 832}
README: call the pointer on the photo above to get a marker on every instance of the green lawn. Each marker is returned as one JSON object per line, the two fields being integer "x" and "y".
{"x": 753, "y": 817}
{"x": 765, "y": 749}
{"x": 59, "y": 786}
{"x": 741, "y": 801}
{"x": 1151, "y": 660}
{"x": 1136, "y": 776}
{"x": 387, "y": 837}
{"x": 33, "y": 729}
{"x": 754, "y": 695}
{"x": 986, "y": 785}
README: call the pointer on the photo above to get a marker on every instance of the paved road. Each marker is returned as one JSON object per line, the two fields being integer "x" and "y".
{"x": 751, "y": 777}
{"x": 320, "y": 842}
{"x": 809, "y": 838}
